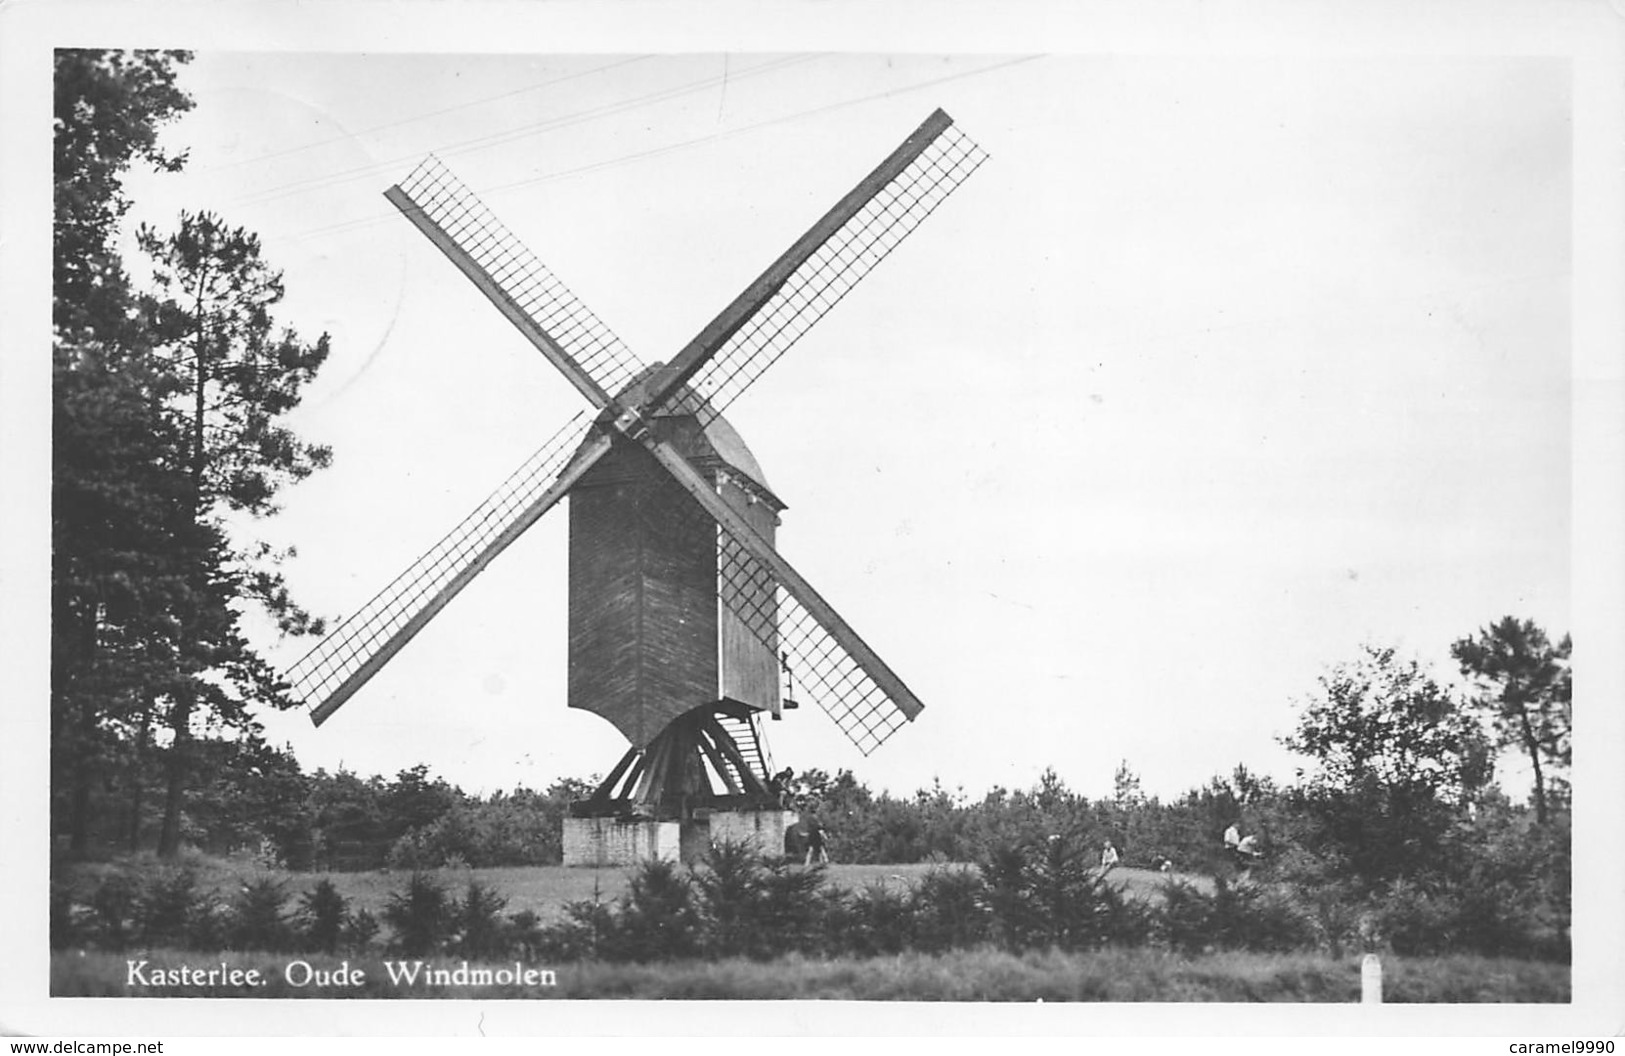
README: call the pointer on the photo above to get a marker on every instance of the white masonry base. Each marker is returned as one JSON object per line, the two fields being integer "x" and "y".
{"x": 600, "y": 842}
{"x": 764, "y": 829}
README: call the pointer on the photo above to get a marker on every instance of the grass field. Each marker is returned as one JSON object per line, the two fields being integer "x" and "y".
{"x": 967, "y": 975}
{"x": 544, "y": 889}
{"x": 1143, "y": 974}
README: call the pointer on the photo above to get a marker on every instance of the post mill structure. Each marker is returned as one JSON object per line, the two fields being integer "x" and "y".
{"x": 685, "y": 623}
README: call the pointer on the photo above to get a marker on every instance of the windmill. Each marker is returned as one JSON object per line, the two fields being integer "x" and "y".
{"x": 685, "y": 623}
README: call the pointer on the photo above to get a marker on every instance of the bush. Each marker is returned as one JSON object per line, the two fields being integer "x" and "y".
{"x": 1513, "y": 887}
{"x": 658, "y": 920}
{"x": 521, "y": 830}
{"x": 174, "y": 913}
{"x": 359, "y": 931}
{"x": 1413, "y": 921}
{"x": 480, "y": 930}
{"x": 1004, "y": 872}
{"x": 730, "y": 892}
{"x": 527, "y": 939}
{"x": 1184, "y": 920}
{"x": 794, "y": 909}
{"x": 1072, "y": 905}
{"x": 587, "y": 933}
{"x": 114, "y": 911}
{"x": 413, "y": 853}
{"x": 950, "y": 910}
{"x": 64, "y": 927}
{"x": 322, "y": 915}
{"x": 1259, "y": 917}
{"x": 257, "y": 921}
{"x": 422, "y": 917}
{"x": 1238, "y": 915}
{"x": 878, "y": 921}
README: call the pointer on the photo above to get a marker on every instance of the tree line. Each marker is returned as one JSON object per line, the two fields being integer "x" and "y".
{"x": 1398, "y": 820}
{"x": 1397, "y": 838}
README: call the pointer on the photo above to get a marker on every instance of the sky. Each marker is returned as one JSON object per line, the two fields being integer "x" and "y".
{"x": 1267, "y": 330}
{"x": 1218, "y": 369}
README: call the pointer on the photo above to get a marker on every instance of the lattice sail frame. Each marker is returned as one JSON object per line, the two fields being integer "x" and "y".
{"x": 461, "y": 552}
{"x": 521, "y": 277}
{"x": 515, "y": 279}
{"x": 815, "y": 287}
{"x": 812, "y": 657}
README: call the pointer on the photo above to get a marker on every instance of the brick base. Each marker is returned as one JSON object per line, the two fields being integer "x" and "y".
{"x": 763, "y": 828}
{"x": 600, "y": 842}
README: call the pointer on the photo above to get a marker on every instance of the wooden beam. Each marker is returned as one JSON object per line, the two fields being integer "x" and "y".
{"x": 718, "y": 763}
{"x": 606, "y": 787}
{"x": 635, "y": 773}
{"x": 652, "y": 781}
{"x": 716, "y": 333}
{"x": 731, "y": 750}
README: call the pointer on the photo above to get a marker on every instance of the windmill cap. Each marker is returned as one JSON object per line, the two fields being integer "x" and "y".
{"x": 724, "y": 439}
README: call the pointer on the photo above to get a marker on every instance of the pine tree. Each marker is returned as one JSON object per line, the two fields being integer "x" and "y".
{"x": 1527, "y": 689}
{"x": 227, "y": 377}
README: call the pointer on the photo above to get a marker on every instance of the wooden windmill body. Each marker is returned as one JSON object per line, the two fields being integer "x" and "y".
{"x": 684, "y": 620}
{"x": 655, "y": 649}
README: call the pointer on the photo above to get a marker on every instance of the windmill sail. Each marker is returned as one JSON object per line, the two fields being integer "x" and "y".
{"x": 541, "y": 307}
{"x": 812, "y": 653}
{"x": 814, "y": 274}
{"x": 755, "y": 585}
{"x": 852, "y": 683}
{"x": 352, "y": 653}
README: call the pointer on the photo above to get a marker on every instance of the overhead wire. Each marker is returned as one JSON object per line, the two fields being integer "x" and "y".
{"x": 510, "y": 135}
{"x": 626, "y": 159}
{"x": 470, "y": 104}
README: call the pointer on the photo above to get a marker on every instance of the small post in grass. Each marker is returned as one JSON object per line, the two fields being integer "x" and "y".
{"x": 1371, "y": 980}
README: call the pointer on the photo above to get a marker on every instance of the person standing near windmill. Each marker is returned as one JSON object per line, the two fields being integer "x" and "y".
{"x": 782, "y": 785}
{"x": 817, "y": 842}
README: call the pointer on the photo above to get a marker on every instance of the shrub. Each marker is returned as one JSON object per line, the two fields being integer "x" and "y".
{"x": 257, "y": 920}
{"x": 1259, "y": 917}
{"x": 359, "y": 931}
{"x": 422, "y": 916}
{"x": 480, "y": 931}
{"x": 321, "y": 918}
{"x": 64, "y": 928}
{"x": 753, "y": 906}
{"x": 1004, "y": 872}
{"x": 174, "y": 913}
{"x": 1413, "y": 921}
{"x": 950, "y": 910}
{"x": 1184, "y": 920}
{"x": 1127, "y": 921}
{"x": 1512, "y": 887}
{"x": 527, "y": 939}
{"x": 1238, "y": 915}
{"x": 587, "y": 933}
{"x": 793, "y": 912}
{"x": 1072, "y": 903}
{"x": 730, "y": 891}
{"x": 879, "y": 921}
{"x": 657, "y": 917}
{"x": 115, "y": 909}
